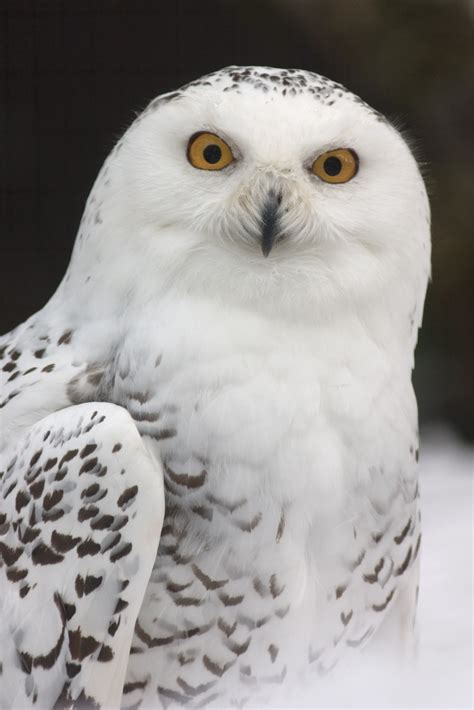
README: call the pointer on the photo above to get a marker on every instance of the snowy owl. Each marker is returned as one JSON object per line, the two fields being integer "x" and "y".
{"x": 208, "y": 485}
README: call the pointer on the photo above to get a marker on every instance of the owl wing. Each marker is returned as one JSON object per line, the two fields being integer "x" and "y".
{"x": 81, "y": 510}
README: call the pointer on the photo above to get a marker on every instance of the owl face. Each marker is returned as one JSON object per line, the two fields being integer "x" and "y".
{"x": 271, "y": 182}
{"x": 261, "y": 181}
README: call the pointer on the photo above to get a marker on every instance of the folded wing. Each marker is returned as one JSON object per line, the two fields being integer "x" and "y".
{"x": 81, "y": 510}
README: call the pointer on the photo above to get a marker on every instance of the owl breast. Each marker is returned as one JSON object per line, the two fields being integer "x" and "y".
{"x": 281, "y": 503}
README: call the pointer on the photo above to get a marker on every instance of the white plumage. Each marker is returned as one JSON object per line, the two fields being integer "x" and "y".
{"x": 270, "y": 395}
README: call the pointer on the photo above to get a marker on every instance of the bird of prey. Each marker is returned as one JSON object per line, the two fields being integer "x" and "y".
{"x": 209, "y": 445}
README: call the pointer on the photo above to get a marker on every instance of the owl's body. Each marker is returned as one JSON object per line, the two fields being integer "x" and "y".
{"x": 272, "y": 397}
{"x": 280, "y": 547}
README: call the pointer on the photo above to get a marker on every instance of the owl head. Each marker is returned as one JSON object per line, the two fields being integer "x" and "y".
{"x": 275, "y": 190}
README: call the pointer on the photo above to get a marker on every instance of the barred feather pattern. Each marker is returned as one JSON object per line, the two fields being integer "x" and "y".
{"x": 81, "y": 509}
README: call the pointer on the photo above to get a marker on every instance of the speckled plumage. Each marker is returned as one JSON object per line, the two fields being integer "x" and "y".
{"x": 269, "y": 397}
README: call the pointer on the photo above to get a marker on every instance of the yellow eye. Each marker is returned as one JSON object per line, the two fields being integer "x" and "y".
{"x": 336, "y": 166}
{"x": 207, "y": 151}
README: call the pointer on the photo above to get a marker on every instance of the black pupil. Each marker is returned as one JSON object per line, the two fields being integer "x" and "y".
{"x": 332, "y": 166}
{"x": 212, "y": 153}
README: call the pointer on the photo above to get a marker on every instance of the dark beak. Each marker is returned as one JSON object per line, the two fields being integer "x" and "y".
{"x": 270, "y": 222}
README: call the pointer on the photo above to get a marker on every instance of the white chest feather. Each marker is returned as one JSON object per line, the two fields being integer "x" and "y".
{"x": 289, "y": 470}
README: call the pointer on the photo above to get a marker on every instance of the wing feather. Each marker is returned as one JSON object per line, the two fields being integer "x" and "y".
{"x": 81, "y": 510}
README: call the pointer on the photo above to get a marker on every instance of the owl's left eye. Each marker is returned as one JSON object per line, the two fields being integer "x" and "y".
{"x": 336, "y": 166}
{"x": 206, "y": 151}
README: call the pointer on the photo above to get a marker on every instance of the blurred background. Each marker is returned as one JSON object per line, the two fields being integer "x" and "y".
{"x": 75, "y": 72}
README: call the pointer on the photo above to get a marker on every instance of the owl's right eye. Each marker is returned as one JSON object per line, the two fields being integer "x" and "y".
{"x": 206, "y": 151}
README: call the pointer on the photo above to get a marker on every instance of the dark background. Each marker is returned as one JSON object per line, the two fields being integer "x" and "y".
{"x": 73, "y": 74}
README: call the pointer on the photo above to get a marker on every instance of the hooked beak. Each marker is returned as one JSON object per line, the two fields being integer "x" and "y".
{"x": 270, "y": 222}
